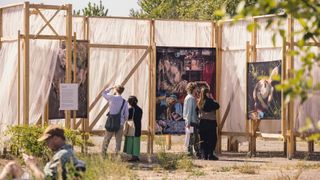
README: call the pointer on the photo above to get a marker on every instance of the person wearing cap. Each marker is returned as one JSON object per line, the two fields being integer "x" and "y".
{"x": 116, "y": 102}
{"x": 54, "y": 138}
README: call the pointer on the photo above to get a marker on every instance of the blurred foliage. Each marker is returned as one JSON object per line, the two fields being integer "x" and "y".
{"x": 186, "y": 9}
{"x": 306, "y": 13}
{"x": 92, "y": 10}
{"x": 24, "y": 139}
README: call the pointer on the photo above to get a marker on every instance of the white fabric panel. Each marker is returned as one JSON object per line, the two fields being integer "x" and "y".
{"x": 235, "y": 36}
{"x": 8, "y": 85}
{"x": 183, "y": 34}
{"x": 233, "y": 84}
{"x": 310, "y": 108}
{"x": 43, "y": 56}
{"x": 12, "y": 21}
{"x": 233, "y": 74}
{"x": 78, "y": 27}
{"x": 264, "y": 36}
{"x": 119, "y": 31}
{"x": 112, "y": 66}
{"x": 58, "y": 23}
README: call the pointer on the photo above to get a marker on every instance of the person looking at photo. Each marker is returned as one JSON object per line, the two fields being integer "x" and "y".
{"x": 206, "y": 108}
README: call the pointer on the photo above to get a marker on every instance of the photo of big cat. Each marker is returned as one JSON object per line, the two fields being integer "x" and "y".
{"x": 175, "y": 68}
{"x": 263, "y": 100}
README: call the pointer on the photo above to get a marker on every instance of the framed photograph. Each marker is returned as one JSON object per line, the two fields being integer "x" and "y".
{"x": 263, "y": 101}
{"x": 176, "y": 67}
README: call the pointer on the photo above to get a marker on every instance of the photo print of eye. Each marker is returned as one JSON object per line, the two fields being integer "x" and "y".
{"x": 263, "y": 101}
{"x": 175, "y": 68}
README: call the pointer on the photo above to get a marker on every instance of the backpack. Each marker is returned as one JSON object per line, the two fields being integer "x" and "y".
{"x": 113, "y": 120}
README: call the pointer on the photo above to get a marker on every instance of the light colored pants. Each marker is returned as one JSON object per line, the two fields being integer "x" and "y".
{"x": 108, "y": 137}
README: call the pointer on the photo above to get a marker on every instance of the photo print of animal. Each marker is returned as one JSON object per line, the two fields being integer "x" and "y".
{"x": 81, "y": 68}
{"x": 263, "y": 101}
{"x": 176, "y": 67}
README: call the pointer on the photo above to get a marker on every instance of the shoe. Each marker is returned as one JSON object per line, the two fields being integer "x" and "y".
{"x": 213, "y": 158}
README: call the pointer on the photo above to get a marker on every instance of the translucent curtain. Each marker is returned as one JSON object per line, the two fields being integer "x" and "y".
{"x": 183, "y": 34}
{"x": 233, "y": 74}
{"x": 12, "y": 21}
{"x": 109, "y": 66}
{"x": 78, "y": 27}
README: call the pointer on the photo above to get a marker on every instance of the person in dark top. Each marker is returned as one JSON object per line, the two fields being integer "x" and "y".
{"x": 132, "y": 143}
{"x": 206, "y": 108}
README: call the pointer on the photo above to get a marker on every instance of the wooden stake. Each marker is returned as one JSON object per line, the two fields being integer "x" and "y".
{"x": 68, "y": 56}
{"x": 26, "y": 66}
{"x": 19, "y": 74}
{"x": 74, "y": 74}
{"x": 291, "y": 139}
{"x": 168, "y": 141}
{"x": 283, "y": 106}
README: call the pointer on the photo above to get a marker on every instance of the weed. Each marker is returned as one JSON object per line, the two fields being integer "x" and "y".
{"x": 197, "y": 172}
{"x": 224, "y": 169}
{"x": 247, "y": 169}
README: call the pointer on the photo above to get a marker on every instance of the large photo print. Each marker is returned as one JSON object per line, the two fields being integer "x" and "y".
{"x": 175, "y": 68}
{"x": 263, "y": 101}
{"x": 80, "y": 67}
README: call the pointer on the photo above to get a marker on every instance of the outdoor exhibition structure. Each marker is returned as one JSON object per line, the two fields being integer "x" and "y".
{"x": 124, "y": 51}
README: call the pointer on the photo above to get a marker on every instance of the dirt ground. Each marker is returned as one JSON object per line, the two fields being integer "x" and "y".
{"x": 269, "y": 163}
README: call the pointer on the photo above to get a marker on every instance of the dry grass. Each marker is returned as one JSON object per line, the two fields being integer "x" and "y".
{"x": 247, "y": 169}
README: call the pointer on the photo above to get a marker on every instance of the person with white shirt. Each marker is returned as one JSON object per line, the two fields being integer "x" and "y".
{"x": 115, "y": 103}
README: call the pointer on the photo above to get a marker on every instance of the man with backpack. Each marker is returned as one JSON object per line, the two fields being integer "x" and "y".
{"x": 118, "y": 114}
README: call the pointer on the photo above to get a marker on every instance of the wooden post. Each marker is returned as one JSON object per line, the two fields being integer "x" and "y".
{"x": 19, "y": 73}
{"x": 74, "y": 120}
{"x": 26, "y": 66}
{"x": 217, "y": 42}
{"x": 310, "y": 147}
{"x": 1, "y": 25}
{"x": 248, "y": 122}
{"x": 283, "y": 106}
{"x": 168, "y": 141}
{"x": 68, "y": 56}
{"x": 290, "y": 133}
{"x": 46, "y": 115}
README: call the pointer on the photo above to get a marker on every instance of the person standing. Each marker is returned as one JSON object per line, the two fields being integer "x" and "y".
{"x": 206, "y": 108}
{"x": 191, "y": 118}
{"x": 132, "y": 143}
{"x": 116, "y": 104}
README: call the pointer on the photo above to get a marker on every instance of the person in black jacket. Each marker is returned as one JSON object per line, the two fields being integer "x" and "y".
{"x": 132, "y": 143}
{"x": 206, "y": 108}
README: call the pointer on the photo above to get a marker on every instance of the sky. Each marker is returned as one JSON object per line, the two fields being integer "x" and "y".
{"x": 116, "y": 7}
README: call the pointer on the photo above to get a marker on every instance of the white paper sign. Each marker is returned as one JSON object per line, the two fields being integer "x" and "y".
{"x": 68, "y": 96}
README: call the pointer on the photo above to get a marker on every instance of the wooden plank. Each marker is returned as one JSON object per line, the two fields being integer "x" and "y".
{"x": 150, "y": 93}
{"x": 52, "y": 7}
{"x": 26, "y": 66}
{"x": 48, "y": 37}
{"x": 153, "y": 80}
{"x": 283, "y": 105}
{"x": 47, "y": 22}
{"x": 19, "y": 77}
{"x": 235, "y": 134}
{"x": 225, "y": 115}
{"x": 248, "y": 53}
{"x": 1, "y": 30}
{"x": 68, "y": 57}
{"x": 73, "y": 125}
{"x": 291, "y": 138}
{"x": 123, "y": 83}
{"x": 118, "y": 46}
{"x": 168, "y": 141}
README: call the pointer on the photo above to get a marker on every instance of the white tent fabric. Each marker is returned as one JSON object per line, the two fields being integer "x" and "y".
{"x": 112, "y": 66}
{"x": 233, "y": 73}
{"x": 12, "y": 21}
{"x": 78, "y": 27}
{"x": 183, "y": 34}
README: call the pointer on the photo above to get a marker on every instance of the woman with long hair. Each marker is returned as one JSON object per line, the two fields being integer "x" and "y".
{"x": 132, "y": 143}
{"x": 206, "y": 108}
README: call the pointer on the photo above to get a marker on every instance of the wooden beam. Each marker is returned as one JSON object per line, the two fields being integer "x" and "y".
{"x": 48, "y": 37}
{"x": 226, "y": 113}
{"x": 168, "y": 141}
{"x": 26, "y": 66}
{"x": 248, "y": 54}
{"x": 73, "y": 124}
{"x": 19, "y": 77}
{"x": 47, "y": 22}
{"x": 235, "y": 134}
{"x": 118, "y": 46}
{"x": 1, "y": 28}
{"x": 290, "y": 62}
{"x": 52, "y": 7}
{"x": 11, "y": 5}
{"x": 123, "y": 83}
{"x": 68, "y": 56}
{"x": 283, "y": 105}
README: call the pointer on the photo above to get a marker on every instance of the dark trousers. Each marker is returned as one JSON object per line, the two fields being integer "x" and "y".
{"x": 208, "y": 137}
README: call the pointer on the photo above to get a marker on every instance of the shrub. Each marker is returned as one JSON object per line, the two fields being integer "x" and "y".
{"x": 24, "y": 139}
